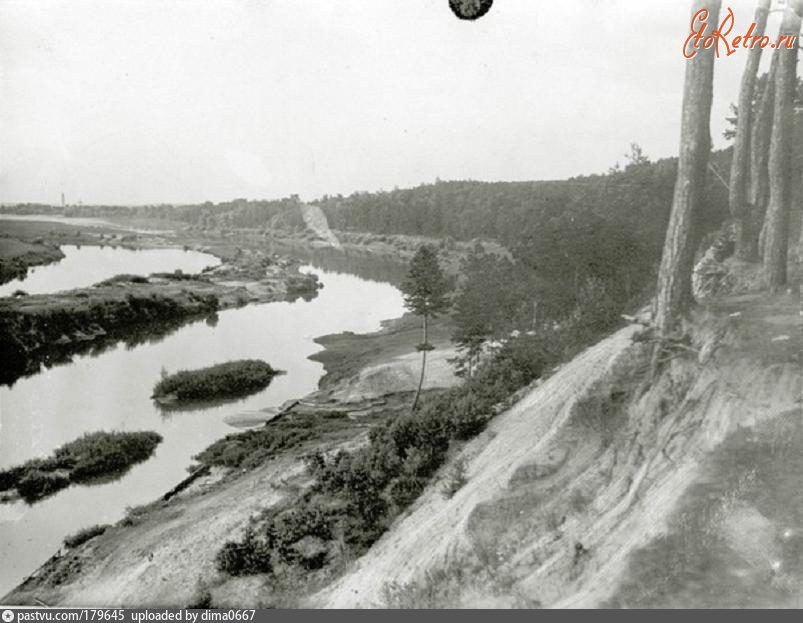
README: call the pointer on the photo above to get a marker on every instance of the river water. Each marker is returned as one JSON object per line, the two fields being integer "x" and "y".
{"x": 110, "y": 391}
{"x": 84, "y": 266}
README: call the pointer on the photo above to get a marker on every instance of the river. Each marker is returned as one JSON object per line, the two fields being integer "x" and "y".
{"x": 84, "y": 266}
{"x": 110, "y": 391}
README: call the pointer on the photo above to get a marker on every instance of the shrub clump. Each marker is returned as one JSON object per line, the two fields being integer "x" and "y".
{"x": 252, "y": 447}
{"x": 455, "y": 479}
{"x": 83, "y": 460}
{"x": 233, "y": 379}
{"x": 103, "y": 454}
{"x": 291, "y": 536}
{"x": 124, "y": 278}
{"x": 36, "y": 484}
{"x": 82, "y": 536}
{"x": 179, "y": 275}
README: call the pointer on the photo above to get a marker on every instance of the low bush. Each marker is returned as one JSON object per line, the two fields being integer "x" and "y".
{"x": 36, "y": 484}
{"x": 103, "y": 454}
{"x": 455, "y": 478}
{"x": 252, "y": 447}
{"x": 135, "y": 514}
{"x": 179, "y": 275}
{"x": 288, "y": 536}
{"x": 82, "y": 536}
{"x": 124, "y": 278}
{"x": 10, "y": 477}
{"x": 247, "y": 556}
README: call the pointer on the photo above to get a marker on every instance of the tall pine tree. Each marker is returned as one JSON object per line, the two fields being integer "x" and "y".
{"x": 776, "y": 222}
{"x": 673, "y": 296}
{"x": 425, "y": 289}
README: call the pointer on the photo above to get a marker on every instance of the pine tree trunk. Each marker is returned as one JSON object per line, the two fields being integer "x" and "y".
{"x": 759, "y": 165}
{"x": 800, "y": 240}
{"x": 673, "y": 295}
{"x": 423, "y": 366}
{"x": 776, "y": 235}
{"x": 741, "y": 149}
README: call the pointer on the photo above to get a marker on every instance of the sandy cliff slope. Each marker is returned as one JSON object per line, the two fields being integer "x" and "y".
{"x": 585, "y": 469}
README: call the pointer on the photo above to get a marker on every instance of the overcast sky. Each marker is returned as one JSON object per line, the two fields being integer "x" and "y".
{"x": 145, "y": 101}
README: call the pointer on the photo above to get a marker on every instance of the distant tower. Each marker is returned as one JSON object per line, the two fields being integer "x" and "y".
{"x": 62, "y": 200}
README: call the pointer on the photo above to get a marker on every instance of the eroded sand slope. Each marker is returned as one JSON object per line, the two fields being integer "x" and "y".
{"x": 584, "y": 469}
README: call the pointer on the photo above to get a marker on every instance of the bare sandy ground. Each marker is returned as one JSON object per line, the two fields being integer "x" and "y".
{"x": 400, "y": 374}
{"x": 160, "y": 560}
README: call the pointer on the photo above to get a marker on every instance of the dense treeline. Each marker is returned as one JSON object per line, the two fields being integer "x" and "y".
{"x": 638, "y": 196}
{"x": 235, "y": 214}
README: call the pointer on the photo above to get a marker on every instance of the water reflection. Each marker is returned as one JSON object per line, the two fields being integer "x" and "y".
{"x": 368, "y": 268}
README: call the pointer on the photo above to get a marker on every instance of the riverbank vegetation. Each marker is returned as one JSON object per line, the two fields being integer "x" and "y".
{"x": 253, "y": 447}
{"x": 233, "y": 379}
{"x": 89, "y": 458}
{"x": 84, "y": 535}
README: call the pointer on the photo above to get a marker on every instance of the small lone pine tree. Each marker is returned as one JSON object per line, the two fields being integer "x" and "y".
{"x": 425, "y": 289}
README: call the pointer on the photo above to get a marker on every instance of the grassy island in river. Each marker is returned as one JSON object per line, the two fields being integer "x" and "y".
{"x": 86, "y": 459}
{"x": 233, "y": 379}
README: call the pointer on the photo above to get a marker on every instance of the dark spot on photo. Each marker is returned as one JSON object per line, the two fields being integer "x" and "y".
{"x": 470, "y": 9}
